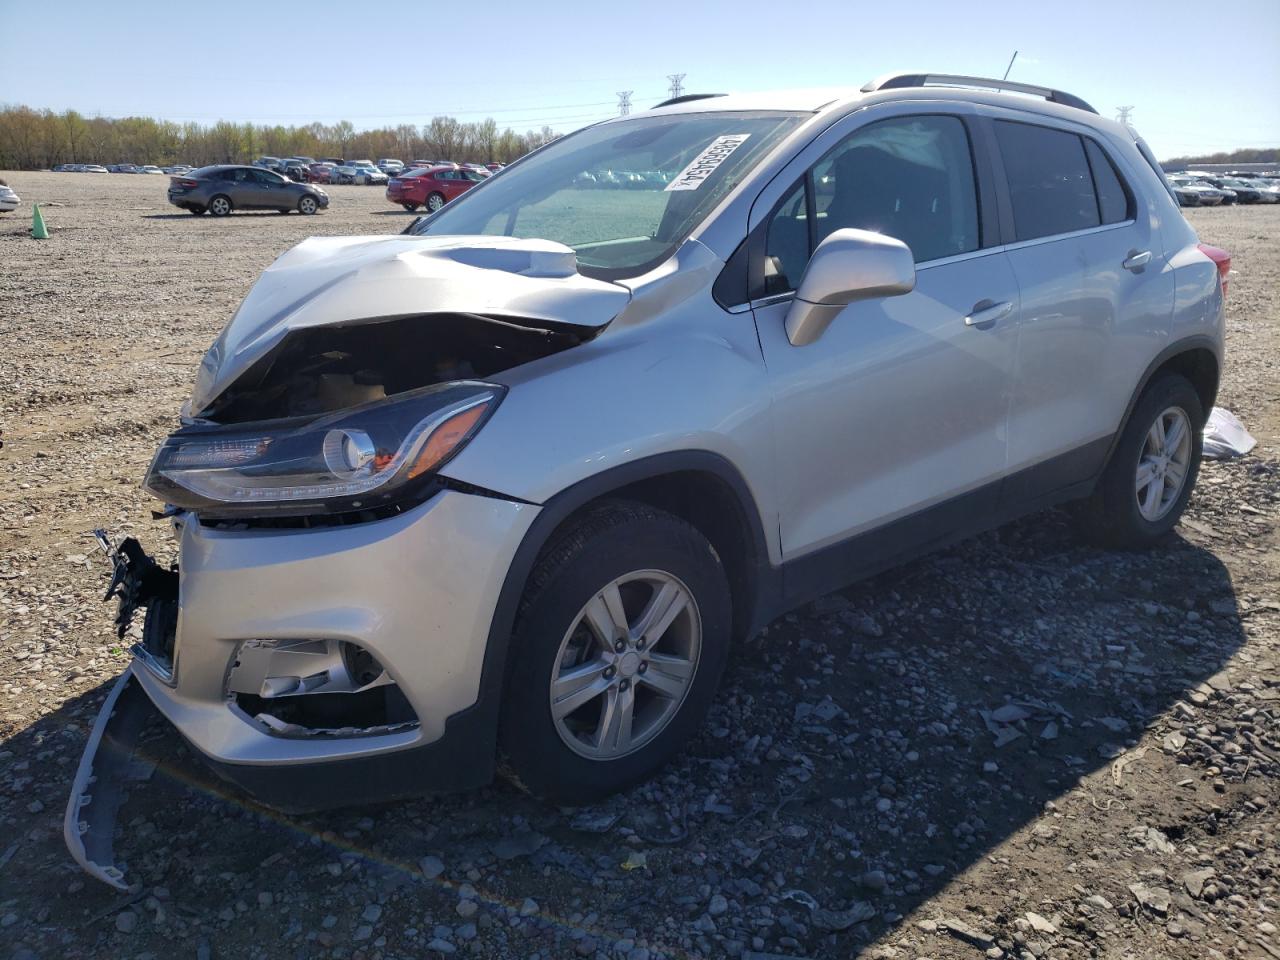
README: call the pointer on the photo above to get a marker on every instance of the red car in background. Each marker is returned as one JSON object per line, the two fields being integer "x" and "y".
{"x": 431, "y": 187}
{"x": 320, "y": 173}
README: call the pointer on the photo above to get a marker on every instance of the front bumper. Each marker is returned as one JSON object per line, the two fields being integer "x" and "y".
{"x": 416, "y": 590}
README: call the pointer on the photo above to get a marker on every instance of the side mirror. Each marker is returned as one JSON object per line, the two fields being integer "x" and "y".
{"x": 848, "y": 266}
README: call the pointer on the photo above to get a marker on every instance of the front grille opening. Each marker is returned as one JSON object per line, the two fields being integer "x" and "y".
{"x": 308, "y": 688}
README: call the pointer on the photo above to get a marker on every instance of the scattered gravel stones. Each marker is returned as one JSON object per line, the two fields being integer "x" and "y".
{"x": 1021, "y": 747}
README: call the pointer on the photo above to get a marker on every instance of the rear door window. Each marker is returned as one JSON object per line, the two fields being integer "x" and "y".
{"x": 1050, "y": 184}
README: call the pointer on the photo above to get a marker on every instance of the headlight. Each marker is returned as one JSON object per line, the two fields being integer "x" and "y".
{"x": 363, "y": 458}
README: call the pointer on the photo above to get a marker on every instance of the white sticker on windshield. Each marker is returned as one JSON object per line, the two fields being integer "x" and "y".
{"x": 705, "y": 163}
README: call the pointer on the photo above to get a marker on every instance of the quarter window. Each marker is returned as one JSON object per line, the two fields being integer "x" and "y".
{"x": 1049, "y": 180}
{"x": 1113, "y": 199}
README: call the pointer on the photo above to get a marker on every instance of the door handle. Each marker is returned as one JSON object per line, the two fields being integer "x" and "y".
{"x": 985, "y": 313}
{"x": 1136, "y": 260}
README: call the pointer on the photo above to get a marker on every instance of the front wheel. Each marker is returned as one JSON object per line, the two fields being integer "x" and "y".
{"x": 435, "y": 201}
{"x": 619, "y": 646}
{"x": 308, "y": 206}
{"x": 1153, "y": 468}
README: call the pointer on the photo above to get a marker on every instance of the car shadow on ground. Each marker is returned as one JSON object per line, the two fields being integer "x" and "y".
{"x": 849, "y": 771}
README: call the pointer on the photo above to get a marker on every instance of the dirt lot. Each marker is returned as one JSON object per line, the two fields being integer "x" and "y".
{"x": 847, "y": 797}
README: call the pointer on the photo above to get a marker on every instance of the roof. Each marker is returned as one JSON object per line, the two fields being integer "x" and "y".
{"x": 915, "y": 86}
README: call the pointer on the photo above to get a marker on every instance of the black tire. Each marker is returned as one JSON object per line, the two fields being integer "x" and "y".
{"x": 610, "y": 541}
{"x": 221, "y": 205}
{"x": 195, "y": 211}
{"x": 308, "y": 205}
{"x": 411, "y": 207}
{"x": 1111, "y": 516}
{"x": 435, "y": 201}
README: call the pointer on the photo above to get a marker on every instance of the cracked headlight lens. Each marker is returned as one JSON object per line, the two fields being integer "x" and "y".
{"x": 358, "y": 459}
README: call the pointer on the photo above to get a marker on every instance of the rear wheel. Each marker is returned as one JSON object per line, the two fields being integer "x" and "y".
{"x": 435, "y": 201}
{"x": 1153, "y": 469}
{"x": 220, "y": 206}
{"x": 195, "y": 211}
{"x": 619, "y": 646}
{"x": 308, "y": 205}
{"x": 410, "y": 206}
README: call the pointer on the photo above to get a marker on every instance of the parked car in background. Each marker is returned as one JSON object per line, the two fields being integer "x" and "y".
{"x": 390, "y": 166}
{"x": 177, "y": 168}
{"x": 494, "y": 167}
{"x": 336, "y": 161}
{"x": 367, "y": 173}
{"x": 267, "y": 163}
{"x": 223, "y": 188}
{"x": 320, "y": 172}
{"x": 98, "y": 168}
{"x": 1268, "y": 190}
{"x": 8, "y": 199}
{"x": 431, "y": 187}
{"x": 1193, "y": 193}
{"x": 150, "y": 168}
{"x": 345, "y": 173}
{"x": 296, "y": 171}
{"x": 1242, "y": 191}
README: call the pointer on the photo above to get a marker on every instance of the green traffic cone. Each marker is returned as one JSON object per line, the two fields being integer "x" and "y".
{"x": 38, "y": 230}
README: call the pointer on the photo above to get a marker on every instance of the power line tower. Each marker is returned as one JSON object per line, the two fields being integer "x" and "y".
{"x": 1123, "y": 113}
{"x": 677, "y": 84}
{"x": 624, "y": 102}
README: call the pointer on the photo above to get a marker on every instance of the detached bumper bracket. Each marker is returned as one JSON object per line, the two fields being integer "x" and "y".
{"x": 101, "y": 780}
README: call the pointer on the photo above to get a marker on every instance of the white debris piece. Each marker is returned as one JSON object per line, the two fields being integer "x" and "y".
{"x": 1225, "y": 436}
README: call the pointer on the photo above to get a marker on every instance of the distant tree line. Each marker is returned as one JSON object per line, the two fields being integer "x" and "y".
{"x": 38, "y": 139}
{"x": 1244, "y": 155}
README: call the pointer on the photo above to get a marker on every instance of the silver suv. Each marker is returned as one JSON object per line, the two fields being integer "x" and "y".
{"x": 504, "y": 491}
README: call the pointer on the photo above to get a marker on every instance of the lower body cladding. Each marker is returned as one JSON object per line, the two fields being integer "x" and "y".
{"x": 317, "y": 667}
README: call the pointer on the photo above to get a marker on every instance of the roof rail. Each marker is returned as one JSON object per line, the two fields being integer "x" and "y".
{"x": 685, "y": 98}
{"x": 895, "y": 81}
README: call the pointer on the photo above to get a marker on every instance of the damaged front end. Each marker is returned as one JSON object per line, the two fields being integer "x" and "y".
{"x": 109, "y": 763}
{"x": 308, "y": 654}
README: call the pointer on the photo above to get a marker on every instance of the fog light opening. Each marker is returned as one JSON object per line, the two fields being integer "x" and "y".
{"x": 321, "y": 687}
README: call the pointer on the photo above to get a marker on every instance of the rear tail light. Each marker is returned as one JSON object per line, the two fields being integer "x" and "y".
{"x": 1221, "y": 259}
{"x": 184, "y": 182}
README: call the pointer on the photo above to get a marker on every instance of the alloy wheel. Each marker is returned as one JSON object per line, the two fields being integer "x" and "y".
{"x": 625, "y": 665}
{"x": 1163, "y": 464}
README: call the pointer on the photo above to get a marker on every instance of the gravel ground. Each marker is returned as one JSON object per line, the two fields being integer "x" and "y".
{"x": 1021, "y": 747}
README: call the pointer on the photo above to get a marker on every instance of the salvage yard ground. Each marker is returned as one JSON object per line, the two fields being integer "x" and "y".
{"x": 1021, "y": 747}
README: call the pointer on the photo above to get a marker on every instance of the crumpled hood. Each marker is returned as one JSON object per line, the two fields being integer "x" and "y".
{"x": 343, "y": 280}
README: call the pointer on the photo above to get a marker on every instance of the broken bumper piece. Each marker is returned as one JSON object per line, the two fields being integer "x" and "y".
{"x": 107, "y": 766}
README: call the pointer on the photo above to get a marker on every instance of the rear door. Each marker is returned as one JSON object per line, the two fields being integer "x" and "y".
{"x": 901, "y": 405}
{"x": 1096, "y": 291}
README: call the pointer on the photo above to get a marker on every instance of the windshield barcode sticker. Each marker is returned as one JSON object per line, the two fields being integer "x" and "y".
{"x": 705, "y": 163}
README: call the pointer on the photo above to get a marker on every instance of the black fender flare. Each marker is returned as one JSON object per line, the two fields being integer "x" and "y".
{"x": 1197, "y": 341}
{"x": 482, "y": 717}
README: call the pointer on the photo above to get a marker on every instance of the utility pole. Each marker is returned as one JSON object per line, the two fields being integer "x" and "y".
{"x": 1123, "y": 113}
{"x": 677, "y": 84}
{"x": 624, "y": 102}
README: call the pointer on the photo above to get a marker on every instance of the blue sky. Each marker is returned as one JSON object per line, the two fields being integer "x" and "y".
{"x": 1200, "y": 77}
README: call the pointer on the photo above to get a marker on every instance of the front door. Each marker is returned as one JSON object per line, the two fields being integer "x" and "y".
{"x": 902, "y": 404}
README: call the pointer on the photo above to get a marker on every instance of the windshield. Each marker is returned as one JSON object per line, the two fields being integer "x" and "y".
{"x": 622, "y": 195}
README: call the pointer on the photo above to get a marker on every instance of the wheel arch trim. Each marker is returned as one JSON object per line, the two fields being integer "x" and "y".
{"x": 1185, "y": 345}
{"x": 568, "y": 502}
